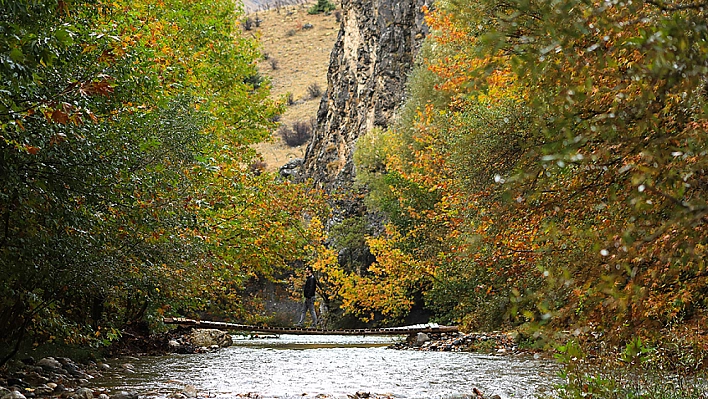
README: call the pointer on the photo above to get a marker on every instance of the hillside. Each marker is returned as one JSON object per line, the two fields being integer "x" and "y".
{"x": 296, "y": 47}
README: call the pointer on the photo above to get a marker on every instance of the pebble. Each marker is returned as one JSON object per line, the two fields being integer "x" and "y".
{"x": 190, "y": 391}
{"x": 124, "y": 395}
{"x": 14, "y": 395}
{"x": 43, "y": 390}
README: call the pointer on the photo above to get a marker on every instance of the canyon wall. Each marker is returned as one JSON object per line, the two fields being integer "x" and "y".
{"x": 369, "y": 65}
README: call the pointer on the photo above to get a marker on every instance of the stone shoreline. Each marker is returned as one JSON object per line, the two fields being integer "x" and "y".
{"x": 61, "y": 377}
{"x": 494, "y": 342}
{"x": 58, "y": 377}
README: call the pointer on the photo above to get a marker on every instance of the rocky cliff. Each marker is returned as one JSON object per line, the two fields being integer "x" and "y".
{"x": 369, "y": 64}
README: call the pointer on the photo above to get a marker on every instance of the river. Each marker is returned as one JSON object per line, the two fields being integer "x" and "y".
{"x": 295, "y": 366}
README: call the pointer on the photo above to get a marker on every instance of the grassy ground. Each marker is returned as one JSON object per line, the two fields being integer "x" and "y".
{"x": 296, "y": 47}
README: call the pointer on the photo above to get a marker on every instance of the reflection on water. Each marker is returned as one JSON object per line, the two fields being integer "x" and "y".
{"x": 305, "y": 366}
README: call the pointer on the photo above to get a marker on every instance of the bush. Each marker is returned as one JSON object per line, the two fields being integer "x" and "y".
{"x": 637, "y": 372}
{"x": 303, "y": 128}
{"x": 254, "y": 80}
{"x": 273, "y": 64}
{"x": 314, "y": 91}
{"x": 247, "y": 23}
{"x": 257, "y": 167}
{"x": 322, "y": 6}
{"x": 299, "y": 134}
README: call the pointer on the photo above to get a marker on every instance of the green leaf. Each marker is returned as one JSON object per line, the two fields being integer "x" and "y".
{"x": 16, "y": 55}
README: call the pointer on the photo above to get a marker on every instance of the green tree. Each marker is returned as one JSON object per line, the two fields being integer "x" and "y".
{"x": 322, "y": 6}
{"x": 118, "y": 123}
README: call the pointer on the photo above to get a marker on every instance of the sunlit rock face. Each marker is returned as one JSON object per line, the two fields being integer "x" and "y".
{"x": 369, "y": 65}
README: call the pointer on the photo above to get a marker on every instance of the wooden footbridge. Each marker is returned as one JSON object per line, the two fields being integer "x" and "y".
{"x": 218, "y": 325}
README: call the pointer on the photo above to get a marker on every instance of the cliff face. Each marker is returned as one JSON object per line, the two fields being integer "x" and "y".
{"x": 369, "y": 64}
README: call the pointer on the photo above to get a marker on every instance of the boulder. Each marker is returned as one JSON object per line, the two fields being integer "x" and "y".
{"x": 49, "y": 363}
{"x": 421, "y": 338}
{"x": 83, "y": 393}
{"x": 202, "y": 337}
{"x": 292, "y": 169}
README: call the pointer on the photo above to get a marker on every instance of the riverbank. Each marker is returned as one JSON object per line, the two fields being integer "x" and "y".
{"x": 58, "y": 377}
{"x": 62, "y": 377}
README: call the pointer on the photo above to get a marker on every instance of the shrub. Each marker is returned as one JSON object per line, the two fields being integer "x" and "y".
{"x": 290, "y": 33}
{"x": 637, "y": 372}
{"x": 302, "y": 129}
{"x": 314, "y": 91}
{"x": 290, "y": 99}
{"x": 257, "y": 167}
{"x": 273, "y": 63}
{"x": 247, "y": 23}
{"x": 322, "y": 6}
{"x": 254, "y": 80}
{"x": 299, "y": 134}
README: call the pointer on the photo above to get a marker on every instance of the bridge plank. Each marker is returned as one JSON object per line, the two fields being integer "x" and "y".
{"x": 404, "y": 330}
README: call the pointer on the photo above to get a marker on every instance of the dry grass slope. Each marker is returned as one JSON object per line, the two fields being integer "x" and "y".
{"x": 296, "y": 47}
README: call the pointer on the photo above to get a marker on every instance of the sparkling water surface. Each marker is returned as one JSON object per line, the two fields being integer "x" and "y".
{"x": 305, "y": 366}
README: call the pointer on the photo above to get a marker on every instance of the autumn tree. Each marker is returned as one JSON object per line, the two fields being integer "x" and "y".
{"x": 126, "y": 191}
{"x": 561, "y": 146}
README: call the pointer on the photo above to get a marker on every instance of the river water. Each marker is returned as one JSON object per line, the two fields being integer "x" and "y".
{"x": 297, "y": 366}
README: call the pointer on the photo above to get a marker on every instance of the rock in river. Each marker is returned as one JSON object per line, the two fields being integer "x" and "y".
{"x": 202, "y": 337}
